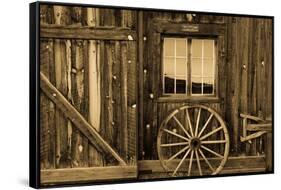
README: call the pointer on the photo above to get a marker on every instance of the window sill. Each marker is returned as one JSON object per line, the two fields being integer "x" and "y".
{"x": 189, "y": 99}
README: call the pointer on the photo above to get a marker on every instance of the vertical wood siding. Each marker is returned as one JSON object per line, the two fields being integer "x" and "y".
{"x": 244, "y": 83}
{"x": 66, "y": 64}
{"x": 244, "y": 77}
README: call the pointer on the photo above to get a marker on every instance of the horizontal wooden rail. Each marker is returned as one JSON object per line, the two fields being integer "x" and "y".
{"x": 82, "y": 175}
{"x": 190, "y": 29}
{"x": 259, "y": 127}
{"x": 79, "y": 121}
{"x": 86, "y": 32}
{"x": 233, "y": 165}
{"x": 251, "y": 117}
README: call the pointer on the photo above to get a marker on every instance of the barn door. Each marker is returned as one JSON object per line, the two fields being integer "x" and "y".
{"x": 88, "y": 100}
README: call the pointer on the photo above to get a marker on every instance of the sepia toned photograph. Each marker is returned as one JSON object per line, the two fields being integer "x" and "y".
{"x": 132, "y": 94}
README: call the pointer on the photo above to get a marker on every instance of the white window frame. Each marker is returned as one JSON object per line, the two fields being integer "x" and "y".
{"x": 188, "y": 58}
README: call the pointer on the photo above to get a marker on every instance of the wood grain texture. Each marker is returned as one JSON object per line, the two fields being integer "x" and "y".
{"x": 86, "y": 32}
{"x": 70, "y": 112}
{"x": 91, "y": 174}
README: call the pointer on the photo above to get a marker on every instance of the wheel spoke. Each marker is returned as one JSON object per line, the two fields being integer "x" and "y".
{"x": 181, "y": 126}
{"x": 175, "y": 134}
{"x": 206, "y": 124}
{"x": 198, "y": 162}
{"x": 208, "y": 163}
{"x": 211, "y": 133}
{"x": 178, "y": 153}
{"x": 189, "y": 122}
{"x": 211, "y": 151}
{"x": 181, "y": 162}
{"x": 197, "y": 122}
{"x": 213, "y": 142}
{"x": 174, "y": 144}
{"x": 190, "y": 163}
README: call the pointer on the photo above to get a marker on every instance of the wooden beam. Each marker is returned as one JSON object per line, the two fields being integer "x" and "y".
{"x": 251, "y": 117}
{"x": 82, "y": 175}
{"x": 189, "y": 29}
{"x": 259, "y": 127}
{"x": 76, "y": 118}
{"x": 140, "y": 80}
{"x": 252, "y": 136}
{"x": 233, "y": 164}
{"x": 87, "y": 32}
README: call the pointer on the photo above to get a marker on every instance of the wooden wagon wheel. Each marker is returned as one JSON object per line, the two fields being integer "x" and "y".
{"x": 193, "y": 134}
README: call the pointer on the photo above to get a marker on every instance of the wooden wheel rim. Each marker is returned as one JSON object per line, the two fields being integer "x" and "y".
{"x": 222, "y": 125}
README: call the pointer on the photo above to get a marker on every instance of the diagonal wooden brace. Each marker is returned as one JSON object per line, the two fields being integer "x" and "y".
{"x": 72, "y": 114}
{"x": 252, "y": 136}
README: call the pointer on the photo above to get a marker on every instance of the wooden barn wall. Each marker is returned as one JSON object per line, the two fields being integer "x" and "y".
{"x": 244, "y": 77}
{"x": 249, "y": 76}
{"x": 244, "y": 84}
{"x": 65, "y": 62}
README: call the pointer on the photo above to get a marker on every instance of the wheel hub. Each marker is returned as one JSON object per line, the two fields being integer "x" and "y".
{"x": 195, "y": 143}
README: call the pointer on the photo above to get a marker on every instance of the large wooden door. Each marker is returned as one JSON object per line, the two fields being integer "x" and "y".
{"x": 88, "y": 95}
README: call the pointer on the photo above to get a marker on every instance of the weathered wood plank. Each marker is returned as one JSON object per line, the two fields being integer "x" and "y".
{"x": 189, "y": 29}
{"x": 116, "y": 99}
{"x": 61, "y": 84}
{"x": 87, "y": 32}
{"x": 79, "y": 121}
{"x": 94, "y": 80}
{"x": 132, "y": 102}
{"x": 140, "y": 102}
{"x": 259, "y": 127}
{"x": 233, "y": 163}
{"x": 124, "y": 97}
{"x": 108, "y": 96}
{"x": 91, "y": 174}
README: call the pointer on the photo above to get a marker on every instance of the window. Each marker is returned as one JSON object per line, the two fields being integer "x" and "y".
{"x": 189, "y": 66}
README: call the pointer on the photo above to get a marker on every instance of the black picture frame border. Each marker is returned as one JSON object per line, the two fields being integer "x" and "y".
{"x": 34, "y": 93}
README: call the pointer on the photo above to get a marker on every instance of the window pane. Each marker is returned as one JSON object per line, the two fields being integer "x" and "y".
{"x": 196, "y": 85}
{"x": 181, "y": 84}
{"x": 169, "y": 84}
{"x": 181, "y": 47}
{"x": 169, "y": 47}
{"x": 196, "y": 48}
{"x": 208, "y": 85}
{"x": 208, "y": 48}
{"x": 181, "y": 66}
{"x": 196, "y": 67}
{"x": 169, "y": 66}
{"x": 208, "y": 68}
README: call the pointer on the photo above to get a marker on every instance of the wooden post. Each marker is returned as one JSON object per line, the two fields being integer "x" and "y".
{"x": 269, "y": 150}
{"x": 94, "y": 82}
{"x": 140, "y": 81}
{"x": 57, "y": 50}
